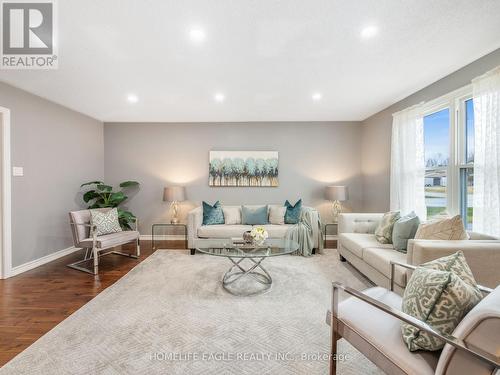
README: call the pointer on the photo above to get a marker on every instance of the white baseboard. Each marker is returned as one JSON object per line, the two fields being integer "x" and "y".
{"x": 41, "y": 261}
{"x": 171, "y": 237}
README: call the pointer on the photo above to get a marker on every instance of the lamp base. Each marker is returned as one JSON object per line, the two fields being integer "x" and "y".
{"x": 336, "y": 210}
{"x": 174, "y": 220}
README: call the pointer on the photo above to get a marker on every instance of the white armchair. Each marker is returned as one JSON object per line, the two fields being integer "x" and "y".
{"x": 84, "y": 236}
{"x": 371, "y": 322}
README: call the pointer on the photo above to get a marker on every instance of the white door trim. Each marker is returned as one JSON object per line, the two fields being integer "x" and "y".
{"x": 6, "y": 230}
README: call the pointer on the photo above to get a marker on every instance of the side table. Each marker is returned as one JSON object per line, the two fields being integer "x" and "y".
{"x": 335, "y": 227}
{"x": 167, "y": 225}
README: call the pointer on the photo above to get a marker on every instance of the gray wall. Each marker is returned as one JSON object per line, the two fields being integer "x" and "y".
{"x": 376, "y": 131}
{"x": 311, "y": 156}
{"x": 59, "y": 149}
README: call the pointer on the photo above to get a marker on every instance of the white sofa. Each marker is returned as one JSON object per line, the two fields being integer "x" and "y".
{"x": 357, "y": 244}
{"x": 197, "y": 231}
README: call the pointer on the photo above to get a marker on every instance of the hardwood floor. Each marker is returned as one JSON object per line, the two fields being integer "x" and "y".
{"x": 32, "y": 303}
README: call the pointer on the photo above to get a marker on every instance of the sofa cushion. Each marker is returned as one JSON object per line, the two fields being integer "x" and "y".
{"x": 380, "y": 259}
{"x": 254, "y": 215}
{"x": 232, "y": 215}
{"x": 292, "y": 215}
{"x": 386, "y": 333}
{"x": 276, "y": 231}
{"x": 404, "y": 229}
{"x": 223, "y": 231}
{"x": 113, "y": 239}
{"x": 356, "y": 242}
{"x": 443, "y": 229}
{"x": 479, "y": 329}
{"x": 212, "y": 215}
{"x": 277, "y": 215}
{"x": 439, "y": 298}
{"x": 105, "y": 222}
{"x": 383, "y": 232}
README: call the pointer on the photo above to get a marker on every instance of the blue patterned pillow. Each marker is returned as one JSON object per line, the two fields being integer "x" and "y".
{"x": 292, "y": 215}
{"x": 212, "y": 214}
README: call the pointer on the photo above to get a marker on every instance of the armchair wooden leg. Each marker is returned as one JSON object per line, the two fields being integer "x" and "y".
{"x": 96, "y": 260}
{"x": 193, "y": 251}
{"x": 138, "y": 248}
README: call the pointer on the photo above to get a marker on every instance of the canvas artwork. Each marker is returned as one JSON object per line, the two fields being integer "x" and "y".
{"x": 243, "y": 168}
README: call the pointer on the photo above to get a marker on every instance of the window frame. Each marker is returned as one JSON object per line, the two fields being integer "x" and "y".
{"x": 455, "y": 102}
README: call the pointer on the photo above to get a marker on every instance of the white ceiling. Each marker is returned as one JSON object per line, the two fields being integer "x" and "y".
{"x": 267, "y": 57}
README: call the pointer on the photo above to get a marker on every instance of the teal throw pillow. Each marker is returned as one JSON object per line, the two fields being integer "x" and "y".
{"x": 404, "y": 229}
{"x": 212, "y": 214}
{"x": 254, "y": 215}
{"x": 292, "y": 215}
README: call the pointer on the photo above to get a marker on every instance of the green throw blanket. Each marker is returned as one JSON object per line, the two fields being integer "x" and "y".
{"x": 303, "y": 233}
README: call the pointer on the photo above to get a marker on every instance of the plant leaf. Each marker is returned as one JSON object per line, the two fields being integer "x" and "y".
{"x": 91, "y": 183}
{"x": 89, "y": 195}
{"x": 103, "y": 187}
{"x": 117, "y": 198}
{"x": 128, "y": 184}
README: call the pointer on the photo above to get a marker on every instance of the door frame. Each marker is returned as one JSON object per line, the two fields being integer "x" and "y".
{"x": 5, "y": 207}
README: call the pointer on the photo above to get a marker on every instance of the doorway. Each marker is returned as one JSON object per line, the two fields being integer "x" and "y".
{"x": 5, "y": 193}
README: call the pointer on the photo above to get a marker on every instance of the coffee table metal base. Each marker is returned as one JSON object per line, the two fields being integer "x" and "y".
{"x": 237, "y": 272}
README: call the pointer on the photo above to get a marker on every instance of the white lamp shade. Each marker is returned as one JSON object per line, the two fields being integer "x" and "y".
{"x": 174, "y": 194}
{"x": 337, "y": 193}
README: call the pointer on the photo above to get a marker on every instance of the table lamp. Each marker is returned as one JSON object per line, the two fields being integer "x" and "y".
{"x": 336, "y": 194}
{"x": 174, "y": 194}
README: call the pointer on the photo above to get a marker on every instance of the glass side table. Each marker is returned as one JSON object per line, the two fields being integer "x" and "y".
{"x": 168, "y": 225}
{"x": 334, "y": 235}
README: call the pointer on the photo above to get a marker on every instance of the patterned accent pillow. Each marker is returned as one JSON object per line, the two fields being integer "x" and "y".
{"x": 212, "y": 214}
{"x": 439, "y": 293}
{"x": 292, "y": 215}
{"x": 105, "y": 222}
{"x": 383, "y": 232}
{"x": 443, "y": 229}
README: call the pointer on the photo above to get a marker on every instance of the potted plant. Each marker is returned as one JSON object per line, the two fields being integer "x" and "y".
{"x": 102, "y": 196}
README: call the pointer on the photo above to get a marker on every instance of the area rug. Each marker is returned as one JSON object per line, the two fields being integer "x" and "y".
{"x": 170, "y": 315}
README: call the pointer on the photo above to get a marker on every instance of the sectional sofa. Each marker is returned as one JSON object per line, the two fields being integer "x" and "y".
{"x": 197, "y": 231}
{"x": 357, "y": 244}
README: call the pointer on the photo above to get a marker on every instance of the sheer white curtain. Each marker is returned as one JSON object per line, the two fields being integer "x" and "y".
{"x": 486, "y": 201}
{"x": 407, "y": 162}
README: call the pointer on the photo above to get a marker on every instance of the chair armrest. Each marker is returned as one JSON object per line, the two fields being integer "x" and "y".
{"x": 358, "y": 223}
{"x": 136, "y": 223}
{"x": 410, "y": 267}
{"x": 449, "y": 339}
{"x": 84, "y": 224}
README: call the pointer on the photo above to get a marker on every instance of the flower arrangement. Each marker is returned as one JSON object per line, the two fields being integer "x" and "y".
{"x": 259, "y": 235}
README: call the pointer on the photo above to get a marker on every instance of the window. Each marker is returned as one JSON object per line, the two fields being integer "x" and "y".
{"x": 437, "y": 157}
{"x": 467, "y": 163}
{"x": 449, "y": 155}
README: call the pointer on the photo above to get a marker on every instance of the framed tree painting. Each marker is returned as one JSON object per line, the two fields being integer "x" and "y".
{"x": 243, "y": 168}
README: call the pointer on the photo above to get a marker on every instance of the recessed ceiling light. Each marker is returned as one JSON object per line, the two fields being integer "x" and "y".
{"x": 219, "y": 97}
{"x": 369, "y": 32}
{"x": 132, "y": 98}
{"x": 197, "y": 35}
{"x": 316, "y": 96}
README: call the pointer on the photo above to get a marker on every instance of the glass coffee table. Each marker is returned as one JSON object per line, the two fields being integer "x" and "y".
{"x": 246, "y": 276}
